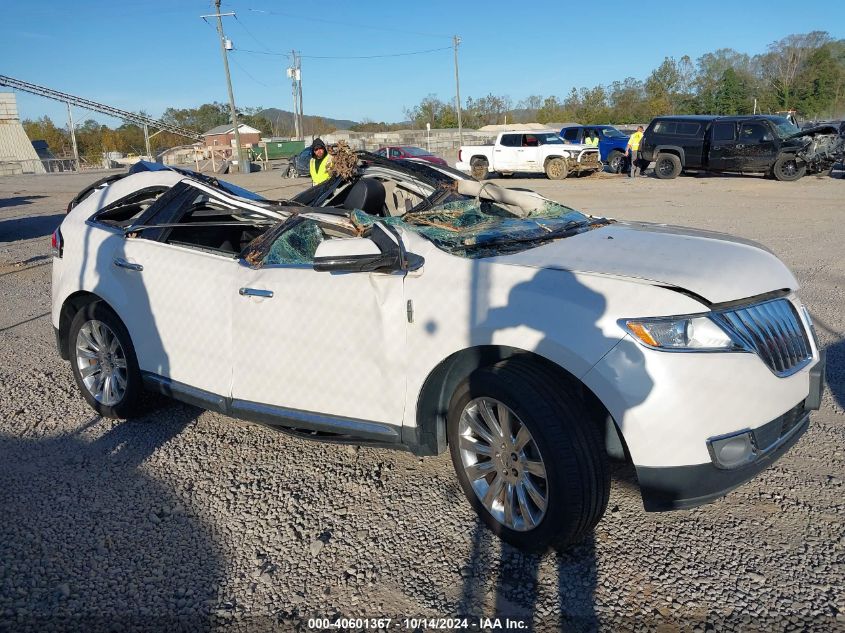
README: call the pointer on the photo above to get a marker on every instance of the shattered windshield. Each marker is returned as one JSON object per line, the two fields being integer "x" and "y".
{"x": 784, "y": 127}
{"x": 472, "y": 228}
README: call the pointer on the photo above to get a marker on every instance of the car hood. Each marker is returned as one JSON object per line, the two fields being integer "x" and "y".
{"x": 813, "y": 131}
{"x": 714, "y": 266}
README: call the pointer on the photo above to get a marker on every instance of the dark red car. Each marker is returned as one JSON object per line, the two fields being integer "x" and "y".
{"x": 397, "y": 152}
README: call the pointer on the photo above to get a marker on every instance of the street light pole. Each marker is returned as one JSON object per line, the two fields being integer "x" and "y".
{"x": 242, "y": 166}
{"x": 455, "y": 41}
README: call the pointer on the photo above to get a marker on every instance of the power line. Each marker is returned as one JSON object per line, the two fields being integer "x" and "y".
{"x": 247, "y": 73}
{"x": 250, "y": 33}
{"x": 423, "y": 52}
{"x": 348, "y": 24}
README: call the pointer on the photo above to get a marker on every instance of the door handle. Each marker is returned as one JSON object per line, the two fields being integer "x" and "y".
{"x": 256, "y": 292}
{"x": 122, "y": 263}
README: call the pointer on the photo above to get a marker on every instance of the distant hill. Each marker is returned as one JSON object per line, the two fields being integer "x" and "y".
{"x": 285, "y": 117}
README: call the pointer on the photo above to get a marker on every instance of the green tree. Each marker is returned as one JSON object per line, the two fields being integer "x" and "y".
{"x": 731, "y": 96}
{"x": 44, "y": 129}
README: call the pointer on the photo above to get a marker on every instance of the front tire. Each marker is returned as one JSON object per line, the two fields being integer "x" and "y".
{"x": 529, "y": 459}
{"x": 556, "y": 169}
{"x": 614, "y": 161}
{"x": 787, "y": 169}
{"x": 104, "y": 363}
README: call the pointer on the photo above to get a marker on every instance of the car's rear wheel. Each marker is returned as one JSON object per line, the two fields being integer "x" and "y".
{"x": 479, "y": 168}
{"x": 104, "y": 363}
{"x": 787, "y": 168}
{"x": 291, "y": 171}
{"x": 667, "y": 166}
{"x": 528, "y": 457}
{"x": 556, "y": 169}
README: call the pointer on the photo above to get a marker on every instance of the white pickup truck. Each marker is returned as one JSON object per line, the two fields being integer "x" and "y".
{"x": 538, "y": 151}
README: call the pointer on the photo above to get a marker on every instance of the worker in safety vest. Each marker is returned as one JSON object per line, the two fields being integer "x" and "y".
{"x": 591, "y": 138}
{"x": 632, "y": 150}
{"x": 320, "y": 162}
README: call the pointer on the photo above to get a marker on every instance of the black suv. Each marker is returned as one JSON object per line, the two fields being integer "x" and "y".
{"x": 762, "y": 143}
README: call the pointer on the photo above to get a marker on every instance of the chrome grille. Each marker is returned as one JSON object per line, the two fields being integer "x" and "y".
{"x": 774, "y": 331}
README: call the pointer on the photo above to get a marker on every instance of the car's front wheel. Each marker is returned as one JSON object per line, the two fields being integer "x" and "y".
{"x": 530, "y": 460}
{"x": 104, "y": 363}
{"x": 556, "y": 169}
{"x": 787, "y": 169}
{"x": 614, "y": 161}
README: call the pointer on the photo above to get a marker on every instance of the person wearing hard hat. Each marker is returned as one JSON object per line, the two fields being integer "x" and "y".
{"x": 319, "y": 163}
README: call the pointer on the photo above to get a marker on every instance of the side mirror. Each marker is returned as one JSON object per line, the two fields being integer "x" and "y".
{"x": 353, "y": 255}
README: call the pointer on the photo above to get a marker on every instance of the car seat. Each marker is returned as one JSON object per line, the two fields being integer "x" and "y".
{"x": 367, "y": 195}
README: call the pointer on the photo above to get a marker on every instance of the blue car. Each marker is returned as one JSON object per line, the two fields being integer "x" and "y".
{"x": 612, "y": 142}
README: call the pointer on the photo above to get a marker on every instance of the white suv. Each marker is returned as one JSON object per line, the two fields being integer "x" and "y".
{"x": 412, "y": 307}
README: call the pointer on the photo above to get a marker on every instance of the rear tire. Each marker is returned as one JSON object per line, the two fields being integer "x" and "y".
{"x": 556, "y": 169}
{"x": 667, "y": 166}
{"x": 479, "y": 168}
{"x": 564, "y": 443}
{"x": 787, "y": 169}
{"x": 104, "y": 363}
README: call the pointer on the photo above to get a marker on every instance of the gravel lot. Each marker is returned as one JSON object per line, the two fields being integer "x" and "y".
{"x": 188, "y": 519}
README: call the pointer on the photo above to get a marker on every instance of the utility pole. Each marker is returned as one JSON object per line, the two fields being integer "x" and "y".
{"x": 73, "y": 135}
{"x": 295, "y": 74}
{"x": 242, "y": 166}
{"x": 299, "y": 82}
{"x": 455, "y": 41}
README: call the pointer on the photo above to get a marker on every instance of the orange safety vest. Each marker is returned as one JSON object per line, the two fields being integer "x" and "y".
{"x": 322, "y": 174}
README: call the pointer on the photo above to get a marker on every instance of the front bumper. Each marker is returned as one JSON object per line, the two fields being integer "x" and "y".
{"x": 678, "y": 487}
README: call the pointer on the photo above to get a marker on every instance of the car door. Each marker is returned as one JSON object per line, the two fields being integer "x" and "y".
{"x": 506, "y": 153}
{"x": 318, "y": 346}
{"x": 722, "y": 145}
{"x": 177, "y": 293}
{"x": 755, "y": 149}
{"x": 529, "y": 154}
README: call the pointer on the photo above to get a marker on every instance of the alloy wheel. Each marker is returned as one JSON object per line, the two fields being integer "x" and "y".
{"x": 101, "y": 361}
{"x": 503, "y": 464}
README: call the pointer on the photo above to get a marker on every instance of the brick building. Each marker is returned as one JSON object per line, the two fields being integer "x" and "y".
{"x": 223, "y": 136}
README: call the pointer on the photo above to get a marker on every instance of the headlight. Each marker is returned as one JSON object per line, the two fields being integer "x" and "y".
{"x": 696, "y": 333}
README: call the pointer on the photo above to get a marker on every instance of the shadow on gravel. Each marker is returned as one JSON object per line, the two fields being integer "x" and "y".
{"x": 517, "y": 585}
{"x": 90, "y": 542}
{"x": 30, "y": 227}
{"x": 835, "y": 371}
{"x": 17, "y": 200}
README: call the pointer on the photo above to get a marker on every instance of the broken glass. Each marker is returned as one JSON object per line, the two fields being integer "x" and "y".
{"x": 472, "y": 228}
{"x": 297, "y": 245}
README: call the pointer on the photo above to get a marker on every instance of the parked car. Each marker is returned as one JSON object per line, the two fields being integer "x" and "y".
{"x": 612, "y": 142}
{"x": 298, "y": 165}
{"x": 412, "y": 307}
{"x": 539, "y": 151}
{"x": 405, "y": 152}
{"x": 765, "y": 144}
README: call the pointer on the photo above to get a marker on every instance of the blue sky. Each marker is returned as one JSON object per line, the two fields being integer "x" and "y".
{"x": 158, "y": 53}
